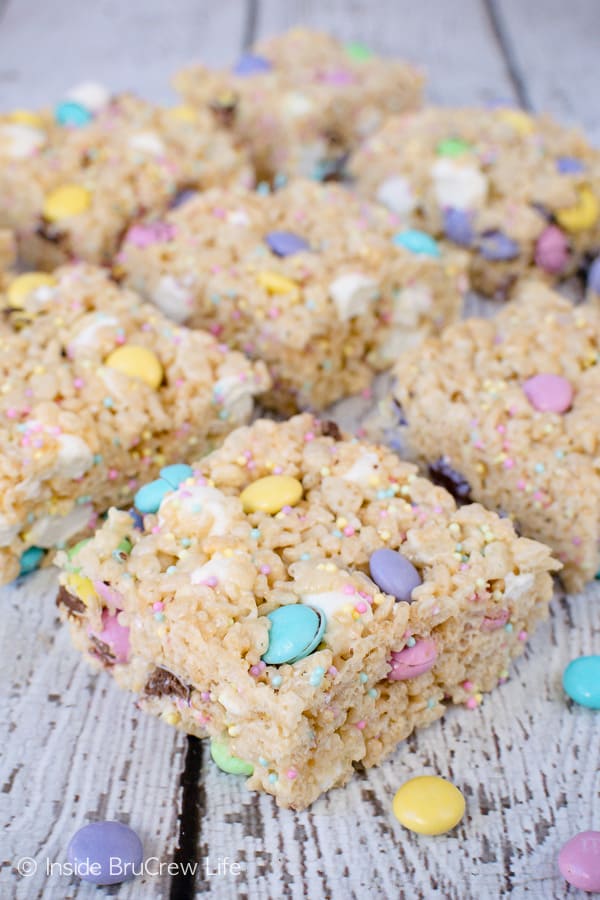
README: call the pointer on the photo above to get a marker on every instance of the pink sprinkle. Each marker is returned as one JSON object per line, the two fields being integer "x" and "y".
{"x": 309, "y": 436}
{"x": 12, "y": 413}
{"x": 501, "y": 429}
{"x": 468, "y": 685}
{"x": 112, "y": 474}
{"x": 158, "y": 606}
{"x": 265, "y": 570}
{"x": 521, "y": 485}
{"x": 523, "y": 635}
{"x": 577, "y": 541}
{"x": 156, "y": 530}
{"x": 361, "y": 607}
{"x": 360, "y": 725}
{"x": 255, "y": 671}
{"x": 509, "y": 463}
{"x": 349, "y": 589}
{"x": 205, "y": 695}
{"x": 211, "y": 582}
{"x": 278, "y": 470}
{"x": 471, "y": 703}
{"x": 291, "y": 774}
{"x": 348, "y": 530}
{"x": 332, "y": 671}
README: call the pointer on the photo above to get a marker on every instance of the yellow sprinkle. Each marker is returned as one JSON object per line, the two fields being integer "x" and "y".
{"x": 275, "y": 283}
{"x": 583, "y": 215}
{"x": 227, "y": 552}
{"x": 137, "y": 362}
{"x": 66, "y": 201}
{"x": 171, "y": 718}
{"x": 330, "y": 567}
{"x": 384, "y": 535}
{"x": 271, "y": 493}
{"x": 23, "y": 285}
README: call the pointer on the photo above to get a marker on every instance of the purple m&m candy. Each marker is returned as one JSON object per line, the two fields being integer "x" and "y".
{"x": 105, "y": 853}
{"x": 394, "y": 574}
{"x": 593, "y": 279}
{"x": 182, "y": 197}
{"x": 552, "y": 250}
{"x": 569, "y": 165}
{"x": 549, "y": 393}
{"x": 458, "y": 227}
{"x": 250, "y": 64}
{"x": 579, "y": 861}
{"x": 286, "y": 243}
{"x": 498, "y": 247}
{"x": 412, "y": 661}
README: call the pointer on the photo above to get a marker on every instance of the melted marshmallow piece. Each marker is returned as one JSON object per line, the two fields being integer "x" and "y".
{"x": 196, "y": 500}
{"x": 364, "y": 468}
{"x": 295, "y": 104}
{"x": 225, "y": 570}
{"x": 20, "y": 141}
{"x": 87, "y": 337}
{"x": 74, "y": 457}
{"x": 353, "y": 294}
{"x": 52, "y": 530}
{"x": 8, "y": 531}
{"x": 235, "y": 396}
{"x": 458, "y": 186}
{"x": 396, "y": 195}
{"x": 409, "y": 305}
{"x": 147, "y": 142}
{"x": 90, "y": 94}
{"x": 516, "y": 586}
{"x": 173, "y": 298}
{"x": 328, "y": 602}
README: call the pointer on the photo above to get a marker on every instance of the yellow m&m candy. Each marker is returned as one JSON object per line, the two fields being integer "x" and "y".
{"x": 520, "y": 121}
{"x": 270, "y": 494}
{"x": 429, "y": 804}
{"x": 137, "y": 362}
{"x": 66, "y": 201}
{"x": 81, "y": 587}
{"x": 23, "y": 285}
{"x": 26, "y": 117}
{"x": 583, "y": 215}
{"x": 183, "y": 113}
{"x": 275, "y": 283}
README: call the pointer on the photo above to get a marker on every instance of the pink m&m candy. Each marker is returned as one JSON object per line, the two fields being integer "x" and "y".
{"x": 549, "y": 393}
{"x": 115, "y": 636}
{"x": 579, "y": 861}
{"x": 412, "y": 661}
{"x": 552, "y": 250}
{"x": 498, "y": 620}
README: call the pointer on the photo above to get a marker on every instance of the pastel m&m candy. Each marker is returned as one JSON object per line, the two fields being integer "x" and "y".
{"x": 583, "y": 215}
{"x": 66, "y": 201}
{"x": 296, "y": 631}
{"x": 271, "y": 493}
{"x": 73, "y": 114}
{"x": 286, "y": 243}
{"x": 429, "y": 804}
{"x": 581, "y": 681}
{"x": 105, "y": 853}
{"x": 275, "y": 283}
{"x": 579, "y": 861}
{"x": 452, "y": 147}
{"x": 137, "y": 362}
{"x": 394, "y": 574}
{"x": 412, "y": 661}
{"x": 23, "y": 285}
{"x": 549, "y": 393}
{"x": 223, "y": 759}
{"x": 176, "y": 473}
{"x": 251, "y": 64}
{"x": 416, "y": 242}
{"x": 31, "y": 559}
{"x": 552, "y": 250}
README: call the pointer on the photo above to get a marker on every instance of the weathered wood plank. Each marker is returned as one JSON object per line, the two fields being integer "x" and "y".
{"x": 452, "y": 41}
{"x": 45, "y": 48}
{"x": 556, "y": 47}
{"x": 74, "y": 750}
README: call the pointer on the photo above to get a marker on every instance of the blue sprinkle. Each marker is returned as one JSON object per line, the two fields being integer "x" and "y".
{"x": 373, "y": 693}
{"x": 255, "y": 534}
{"x": 431, "y": 703}
{"x": 185, "y": 542}
{"x": 263, "y": 762}
{"x": 305, "y": 556}
{"x": 276, "y": 680}
{"x": 508, "y": 627}
{"x": 317, "y": 676}
{"x": 108, "y": 402}
{"x": 411, "y": 642}
{"x": 539, "y": 467}
{"x": 97, "y": 459}
{"x": 273, "y": 777}
{"x": 337, "y": 533}
{"x": 363, "y": 677}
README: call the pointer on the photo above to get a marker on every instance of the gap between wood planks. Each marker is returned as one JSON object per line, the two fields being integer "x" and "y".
{"x": 513, "y": 69}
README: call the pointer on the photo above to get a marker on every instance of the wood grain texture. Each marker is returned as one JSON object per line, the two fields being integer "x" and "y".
{"x": 556, "y": 46}
{"x": 75, "y": 749}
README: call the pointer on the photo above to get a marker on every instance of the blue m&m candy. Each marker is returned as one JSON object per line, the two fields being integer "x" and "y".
{"x": 416, "y": 242}
{"x": 581, "y": 681}
{"x": 296, "y": 631}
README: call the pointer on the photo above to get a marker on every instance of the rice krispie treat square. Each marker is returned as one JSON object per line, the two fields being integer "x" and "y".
{"x": 302, "y": 100}
{"x": 520, "y": 192}
{"x": 304, "y": 599}
{"x": 70, "y": 187}
{"x": 505, "y": 411}
{"x": 322, "y": 286}
{"x": 99, "y": 391}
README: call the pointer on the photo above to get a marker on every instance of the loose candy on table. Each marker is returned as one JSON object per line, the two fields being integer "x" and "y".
{"x": 137, "y": 362}
{"x": 271, "y": 493}
{"x": 296, "y": 631}
{"x": 549, "y": 393}
{"x": 579, "y": 861}
{"x": 92, "y": 848}
{"x": 581, "y": 681}
{"x": 429, "y": 804}
{"x": 394, "y": 574}
{"x": 223, "y": 759}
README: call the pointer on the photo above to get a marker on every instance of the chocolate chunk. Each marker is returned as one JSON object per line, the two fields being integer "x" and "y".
{"x": 456, "y": 484}
{"x": 102, "y": 651}
{"x": 162, "y": 683}
{"x": 48, "y": 233}
{"x": 224, "y": 109}
{"x": 73, "y": 604}
{"x": 331, "y": 429}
